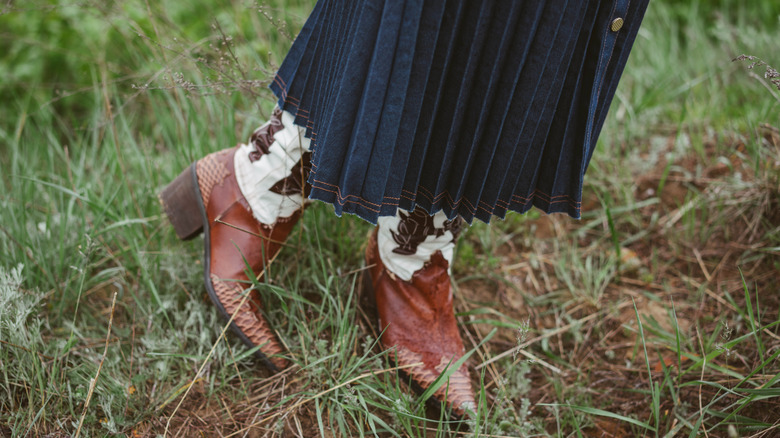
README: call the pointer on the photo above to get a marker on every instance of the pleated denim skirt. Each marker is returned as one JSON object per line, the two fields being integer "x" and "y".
{"x": 473, "y": 108}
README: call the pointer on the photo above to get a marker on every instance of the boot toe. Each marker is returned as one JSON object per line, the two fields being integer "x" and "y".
{"x": 248, "y": 322}
{"x": 456, "y": 392}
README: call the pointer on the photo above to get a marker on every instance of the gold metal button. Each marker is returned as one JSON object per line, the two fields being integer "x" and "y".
{"x": 616, "y": 25}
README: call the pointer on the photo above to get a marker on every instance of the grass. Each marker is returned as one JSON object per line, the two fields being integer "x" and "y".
{"x": 657, "y": 314}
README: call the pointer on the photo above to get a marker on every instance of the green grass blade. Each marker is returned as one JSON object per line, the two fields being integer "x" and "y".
{"x": 603, "y": 413}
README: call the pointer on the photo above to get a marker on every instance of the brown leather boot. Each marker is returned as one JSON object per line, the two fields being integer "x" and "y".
{"x": 409, "y": 269}
{"x": 246, "y": 199}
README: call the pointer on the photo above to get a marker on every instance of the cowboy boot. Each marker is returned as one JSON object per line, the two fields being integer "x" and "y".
{"x": 246, "y": 200}
{"x": 409, "y": 257}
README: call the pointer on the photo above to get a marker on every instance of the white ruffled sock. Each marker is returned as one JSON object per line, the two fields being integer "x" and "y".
{"x": 407, "y": 241}
{"x": 256, "y": 176}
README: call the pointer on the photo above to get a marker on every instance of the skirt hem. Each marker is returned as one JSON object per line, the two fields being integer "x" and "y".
{"x": 432, "y": 203}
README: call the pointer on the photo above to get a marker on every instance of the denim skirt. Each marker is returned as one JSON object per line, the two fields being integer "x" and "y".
{"x": 473, "y": 108}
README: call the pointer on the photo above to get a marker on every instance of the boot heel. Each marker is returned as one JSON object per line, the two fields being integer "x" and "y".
{"x": 367, "y": 298}
{"x": 181, "y": 202}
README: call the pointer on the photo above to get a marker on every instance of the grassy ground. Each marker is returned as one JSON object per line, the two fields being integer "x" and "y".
{"x": 657, "y": 314}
